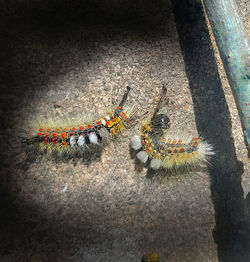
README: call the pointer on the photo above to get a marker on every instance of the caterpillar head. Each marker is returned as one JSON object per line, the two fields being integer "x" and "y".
{"x": 160, "y": 121}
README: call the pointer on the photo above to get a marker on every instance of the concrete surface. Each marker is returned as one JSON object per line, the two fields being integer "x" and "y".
{"x": 65, "y": 59}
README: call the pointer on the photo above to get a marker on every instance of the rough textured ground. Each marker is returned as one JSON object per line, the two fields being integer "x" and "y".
{"x": 63, "y": 59}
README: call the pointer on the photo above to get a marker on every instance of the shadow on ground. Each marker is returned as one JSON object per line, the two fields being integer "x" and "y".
{"x": 213, "y": 123}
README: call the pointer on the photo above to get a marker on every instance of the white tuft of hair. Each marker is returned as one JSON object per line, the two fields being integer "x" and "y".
{"x": 142, "y": 156}
{"x": 93, "y": 138}
{"x": 155, "y": 163}
{"x": 72, "y": 141}
{"x": 136, "y": 142}
{"x": 81, "y": 141}
{"x": 205, "y": 150}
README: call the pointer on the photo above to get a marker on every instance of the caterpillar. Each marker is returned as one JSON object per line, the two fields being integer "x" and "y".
{"x": 75, "y": 139}
{"x": 169, "y": 150}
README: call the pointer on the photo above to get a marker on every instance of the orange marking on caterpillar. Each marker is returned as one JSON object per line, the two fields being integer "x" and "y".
{"x": 110, "y": 123}
{"x": 115, "y": 120}
{"x": 123, "y": 116}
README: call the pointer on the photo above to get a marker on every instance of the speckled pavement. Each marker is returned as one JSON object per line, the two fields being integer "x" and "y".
{"x": 70, "y": 59}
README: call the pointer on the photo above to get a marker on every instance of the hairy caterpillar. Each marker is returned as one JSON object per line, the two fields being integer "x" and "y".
{"x": 170, "y": 150}
{"x": 75, "y": 139}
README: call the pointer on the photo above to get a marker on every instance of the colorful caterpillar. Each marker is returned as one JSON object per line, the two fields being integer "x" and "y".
{"x": 170, "y": 150}
{"x": 64, "y": 139}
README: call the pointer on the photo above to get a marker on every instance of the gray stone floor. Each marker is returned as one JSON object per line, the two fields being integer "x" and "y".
{"x": 67, "y": 60}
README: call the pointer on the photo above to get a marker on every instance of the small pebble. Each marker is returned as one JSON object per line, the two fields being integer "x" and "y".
{"x": 64, "y": 189}
{"x": 57, "y": 105}
{"x": 106, "y": 88}
{"x": 105, "y": 99}
{"x": 130, "y": 82}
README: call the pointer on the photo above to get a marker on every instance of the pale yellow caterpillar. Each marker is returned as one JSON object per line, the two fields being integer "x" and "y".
{"x": 168, "y": 149}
